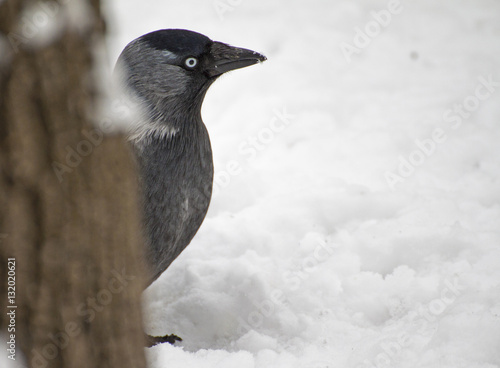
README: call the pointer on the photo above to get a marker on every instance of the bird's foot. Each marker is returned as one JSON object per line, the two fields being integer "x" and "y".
{"x": 154, "y": 340}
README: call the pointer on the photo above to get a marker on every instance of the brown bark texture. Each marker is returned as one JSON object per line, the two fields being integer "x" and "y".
{"x": 68, "y": 197}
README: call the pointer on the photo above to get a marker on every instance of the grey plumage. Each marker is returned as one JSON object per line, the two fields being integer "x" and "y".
{"x": 167, "y": 74}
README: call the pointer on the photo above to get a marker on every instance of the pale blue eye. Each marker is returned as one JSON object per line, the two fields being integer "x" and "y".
{"x": 191, "y": 62}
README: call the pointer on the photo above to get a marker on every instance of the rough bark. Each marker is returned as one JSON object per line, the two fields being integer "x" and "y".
{"x": 68, "y": 206}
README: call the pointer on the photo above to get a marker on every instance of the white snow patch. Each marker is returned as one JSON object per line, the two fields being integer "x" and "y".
{"x": 40, "y": 24}
{"x": 11, "y": 356}
{"x": 43, "y": 22}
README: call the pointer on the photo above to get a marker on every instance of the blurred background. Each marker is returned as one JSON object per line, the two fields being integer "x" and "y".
{"x": 355, "y": 221}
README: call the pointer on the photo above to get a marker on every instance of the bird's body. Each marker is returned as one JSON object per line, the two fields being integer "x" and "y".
{"x": 176, "y": 176}
{"x": 166, "y": 75}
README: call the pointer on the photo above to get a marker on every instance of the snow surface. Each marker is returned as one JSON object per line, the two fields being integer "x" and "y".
{"x": 356, "y": 221}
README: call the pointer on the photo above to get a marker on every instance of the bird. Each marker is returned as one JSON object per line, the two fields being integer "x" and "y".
{"x": 166, "y": 75}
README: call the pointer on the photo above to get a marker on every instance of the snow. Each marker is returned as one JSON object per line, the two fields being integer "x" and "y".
{"x": 19, "y": 360}
{"x": 42, "y": 23}
{"x": 355, "y": 221}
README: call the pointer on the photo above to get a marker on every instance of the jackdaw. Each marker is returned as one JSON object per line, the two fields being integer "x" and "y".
{"x": 166, "y": 74}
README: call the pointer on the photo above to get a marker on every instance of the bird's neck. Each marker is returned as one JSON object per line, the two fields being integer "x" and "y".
{"x": 163, "y": 119}
{"x": 164, "y": 149}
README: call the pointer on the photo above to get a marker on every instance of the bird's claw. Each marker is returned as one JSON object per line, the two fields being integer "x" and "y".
{"x": 154, "y": 340}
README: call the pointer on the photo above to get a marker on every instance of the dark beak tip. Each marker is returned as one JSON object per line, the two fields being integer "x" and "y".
{"x": 260, "y": 57}
{"x": 228, "y": 58}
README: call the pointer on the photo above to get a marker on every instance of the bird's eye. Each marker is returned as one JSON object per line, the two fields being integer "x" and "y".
{"x": 191, "y": 62}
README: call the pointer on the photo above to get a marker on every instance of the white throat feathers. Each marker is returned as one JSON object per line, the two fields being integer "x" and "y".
{"x": 143, "y": 135}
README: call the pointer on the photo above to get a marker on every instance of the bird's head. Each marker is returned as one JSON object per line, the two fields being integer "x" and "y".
{"x": 170, "y": 70}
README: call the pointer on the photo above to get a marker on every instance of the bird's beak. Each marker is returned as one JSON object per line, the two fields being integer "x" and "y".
{"x": 225, "y": 58}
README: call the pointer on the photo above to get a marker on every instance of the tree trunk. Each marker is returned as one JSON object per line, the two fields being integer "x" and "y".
{"x": 69, "y": 220}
